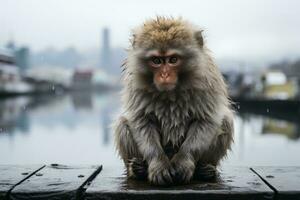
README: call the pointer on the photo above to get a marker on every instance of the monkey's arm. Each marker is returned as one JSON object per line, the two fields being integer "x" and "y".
{"x": 200, "y": 137}
{"x": 147, "y": 137}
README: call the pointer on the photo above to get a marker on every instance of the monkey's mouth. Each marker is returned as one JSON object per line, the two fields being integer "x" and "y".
{"x": 165, "y": 86}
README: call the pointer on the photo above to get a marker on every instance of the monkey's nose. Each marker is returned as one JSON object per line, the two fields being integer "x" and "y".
{"x": 164, "y": 75}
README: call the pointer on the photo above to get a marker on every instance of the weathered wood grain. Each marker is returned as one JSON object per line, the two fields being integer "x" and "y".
{"x": 235, "y": 183}
{"x": 55, "y": 182}
{"x": 83, "y": 182}
{"x": 284, "y": 180}
{"x": 11, "y": 175}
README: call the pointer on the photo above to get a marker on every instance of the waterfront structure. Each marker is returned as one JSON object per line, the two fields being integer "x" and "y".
{"x": 10, "y": 78}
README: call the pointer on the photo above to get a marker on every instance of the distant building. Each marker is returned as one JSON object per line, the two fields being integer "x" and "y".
{"x": 111, "y": 59}
{"x": 82, "y": 80}
{"x": 105, "y": 55}
{"x": 21, "y": 55}
{"x": 275, "y": 85}
{"x": 22, "y": 58}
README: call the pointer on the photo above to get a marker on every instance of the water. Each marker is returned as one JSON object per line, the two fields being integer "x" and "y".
{"x": 74, "y": 129}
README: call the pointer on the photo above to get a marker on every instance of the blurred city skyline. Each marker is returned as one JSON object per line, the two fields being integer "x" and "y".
{"x": 60, "y": 75}
{"x": 235, "y": 30}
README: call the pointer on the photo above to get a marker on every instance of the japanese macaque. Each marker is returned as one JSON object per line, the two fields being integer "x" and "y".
{"x": 177, "y": 123}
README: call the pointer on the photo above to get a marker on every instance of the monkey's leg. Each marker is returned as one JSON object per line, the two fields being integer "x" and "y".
{"x": 201, "y": 136}
{"x": 147, "y": 137}
{"x": 206, "y": 168}
{"x": 136, "y": 167}
{"x": 198, "y": 138}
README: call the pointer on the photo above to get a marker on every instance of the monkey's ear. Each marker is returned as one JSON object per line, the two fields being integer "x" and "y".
{"x": 199, "y": 38}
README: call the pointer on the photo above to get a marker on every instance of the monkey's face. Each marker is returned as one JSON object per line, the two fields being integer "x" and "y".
{"x": 165, "y": 66}
{"x": 165, "y": 52}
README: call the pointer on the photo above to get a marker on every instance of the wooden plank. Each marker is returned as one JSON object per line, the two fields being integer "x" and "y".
{"x": 235, "y": 183}
{"x": 11, "y": 175}
{"x": 285, "y": 180}
{"x": 55, "y": 182}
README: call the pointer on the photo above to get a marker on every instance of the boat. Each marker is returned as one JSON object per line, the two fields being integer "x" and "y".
{"x": 11, "y": 81}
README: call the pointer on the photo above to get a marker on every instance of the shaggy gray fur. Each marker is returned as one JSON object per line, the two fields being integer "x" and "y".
{"x": 194, "y": 119}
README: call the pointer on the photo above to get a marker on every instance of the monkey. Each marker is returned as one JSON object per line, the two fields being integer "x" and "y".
{"x": 177, "y": 121}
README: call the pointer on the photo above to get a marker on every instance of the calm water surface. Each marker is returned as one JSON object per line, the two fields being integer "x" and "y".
{"x": 75, "y": 129}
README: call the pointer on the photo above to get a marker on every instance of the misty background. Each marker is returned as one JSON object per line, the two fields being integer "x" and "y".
{"x": 68, "y": 33}
{"x": 60, "y": 75}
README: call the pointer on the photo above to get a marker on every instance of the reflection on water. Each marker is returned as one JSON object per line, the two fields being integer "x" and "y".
{"x": 263, "y": 140}
{"x": 75, "y": 129}
{"x": 280, "y": 127}
{"x": 71, "y": 129}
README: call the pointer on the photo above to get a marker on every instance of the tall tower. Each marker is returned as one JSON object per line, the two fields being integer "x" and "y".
{"x": 105, "y": 55}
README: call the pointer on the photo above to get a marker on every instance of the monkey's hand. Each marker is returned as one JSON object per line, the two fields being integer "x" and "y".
{"x": 183, "y": 168}
{"x": 159, "y": 172}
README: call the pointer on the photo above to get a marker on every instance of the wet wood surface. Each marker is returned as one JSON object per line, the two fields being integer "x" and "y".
{"x": 284, "y": 180}
{"x": 92, "y": 182}
{"x": 55, "y": 182}
{"x": 12, "y": 175}
{"x": 234, "y": 183}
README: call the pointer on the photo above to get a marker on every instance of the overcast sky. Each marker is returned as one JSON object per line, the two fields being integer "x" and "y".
{"x": 234, "y": 29}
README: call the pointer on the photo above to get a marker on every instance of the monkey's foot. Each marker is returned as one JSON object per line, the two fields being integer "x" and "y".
{"x": 137, "y": 169}
{"x": 206, "y": 172}
{"x": 182, "y": 170}
{"x": 159, "y": 173}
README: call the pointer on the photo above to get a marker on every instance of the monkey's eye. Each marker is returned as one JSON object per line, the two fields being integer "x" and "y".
{"x": 173, "y": 60}
{"x": 156, "y": 60}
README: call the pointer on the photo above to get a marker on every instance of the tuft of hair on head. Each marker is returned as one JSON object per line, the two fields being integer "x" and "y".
{"x": 166, "y": 31}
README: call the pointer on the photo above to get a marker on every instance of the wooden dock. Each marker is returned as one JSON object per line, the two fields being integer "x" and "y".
{"x": 94, "y": 182}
